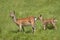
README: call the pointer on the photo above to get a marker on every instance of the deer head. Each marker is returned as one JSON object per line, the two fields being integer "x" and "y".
{"x": 40, "y": 17}
{"x": 12, "y": 14}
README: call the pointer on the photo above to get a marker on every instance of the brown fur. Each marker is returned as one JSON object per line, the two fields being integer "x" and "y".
{"x": 48, "y": 21}
{"x": 24, "y": 21}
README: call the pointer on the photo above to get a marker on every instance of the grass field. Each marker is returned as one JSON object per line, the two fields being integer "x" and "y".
{"x": 26, "y": 8}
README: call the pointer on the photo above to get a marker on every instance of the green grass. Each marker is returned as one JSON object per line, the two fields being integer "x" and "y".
{"x": 26, "y": 8}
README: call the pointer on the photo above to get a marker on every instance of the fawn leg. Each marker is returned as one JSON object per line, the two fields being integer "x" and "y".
{"x": 44, "y": 27}
{"x": 54, "y": 25}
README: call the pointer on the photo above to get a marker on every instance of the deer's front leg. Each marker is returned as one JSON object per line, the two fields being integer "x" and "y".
{"x": 20, "y": 28}
{"x": 44, "y": 26}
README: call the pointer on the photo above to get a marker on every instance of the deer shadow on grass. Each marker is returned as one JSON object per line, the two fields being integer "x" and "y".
{"x": 50, "y": 26}
{"x": 17, "y": 31}
{"x": 14, "y": 31}
{"x": 28, "y": 32}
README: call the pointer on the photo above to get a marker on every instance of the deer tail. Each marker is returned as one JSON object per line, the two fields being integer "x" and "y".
{"x": 35, "y": 18}
{"x": 55, "y": 20}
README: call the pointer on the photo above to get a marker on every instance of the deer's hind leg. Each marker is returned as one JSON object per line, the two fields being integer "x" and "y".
{"x": 23, "y": 28}
{"x": 54, "y": 25}
{"x": 33, "y": 26}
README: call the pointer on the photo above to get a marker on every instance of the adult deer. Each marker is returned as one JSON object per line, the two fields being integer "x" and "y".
{"x": 21, "y": 22}
{"x": 47, "y": 21}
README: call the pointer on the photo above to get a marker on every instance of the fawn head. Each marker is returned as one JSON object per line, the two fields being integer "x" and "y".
{"x": 40, "y": 17}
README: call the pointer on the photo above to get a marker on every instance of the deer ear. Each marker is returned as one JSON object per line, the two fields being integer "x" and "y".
{"x": 13, "y": 11}
{"x": 40, "y": 15}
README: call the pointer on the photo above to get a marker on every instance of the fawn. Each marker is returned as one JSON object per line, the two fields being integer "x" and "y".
{"x": 21, "y": 22}
{"x": 47, "y": 21}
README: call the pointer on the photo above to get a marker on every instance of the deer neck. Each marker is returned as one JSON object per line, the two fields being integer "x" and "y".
{"x": 42, "y": 19}
{"x": 14, "y": 19}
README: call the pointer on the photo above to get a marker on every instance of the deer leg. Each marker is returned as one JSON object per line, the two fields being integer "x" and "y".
{"x": 20, "y": 28}
{"x": 44, "y": 27}
{"x": 54, "y": 25}
{"x": 33, "y": 27}
{"x": 23, "y": 28}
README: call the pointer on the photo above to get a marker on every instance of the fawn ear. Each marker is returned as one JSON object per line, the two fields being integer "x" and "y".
{"x": 40, "y": 15}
